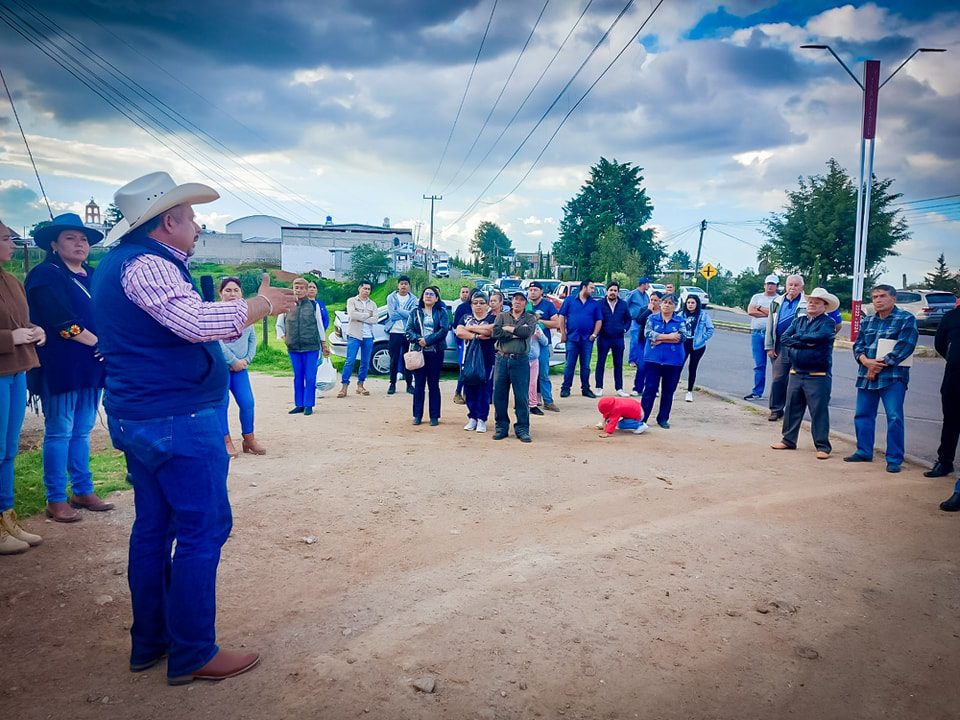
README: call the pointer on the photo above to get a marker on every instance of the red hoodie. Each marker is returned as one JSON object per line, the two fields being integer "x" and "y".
{"x": 615, "y": 409}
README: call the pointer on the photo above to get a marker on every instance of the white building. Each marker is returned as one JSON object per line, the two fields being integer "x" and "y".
{"x": 326, "y": 249}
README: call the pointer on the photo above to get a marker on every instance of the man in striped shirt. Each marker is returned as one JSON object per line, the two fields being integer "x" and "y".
{"x": 166, "y": 380}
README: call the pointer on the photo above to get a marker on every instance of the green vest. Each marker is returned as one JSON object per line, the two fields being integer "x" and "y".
{"x": 301, "y": 332}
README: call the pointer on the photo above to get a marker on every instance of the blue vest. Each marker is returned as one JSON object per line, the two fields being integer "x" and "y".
{"x": 151, "y": 372}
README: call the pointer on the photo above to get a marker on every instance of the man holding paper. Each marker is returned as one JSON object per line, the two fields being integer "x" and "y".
{"x": 884, "y": 352}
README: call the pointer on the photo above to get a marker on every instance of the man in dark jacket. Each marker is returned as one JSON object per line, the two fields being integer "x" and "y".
{"x": 616, "y": 322}
{"x": 512, "y": 332}
{"x": 947, "y": 343}
{"x": 809, "y": 344}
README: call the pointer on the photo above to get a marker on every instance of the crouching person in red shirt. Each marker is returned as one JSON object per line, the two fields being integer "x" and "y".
{"x": 620, "y": 413}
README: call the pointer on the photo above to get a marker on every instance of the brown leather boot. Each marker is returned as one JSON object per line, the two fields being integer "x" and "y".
{"x": 225, "y": 664}
{"x": 343, "y": 391}
{"x": 231, "y": 448}
{"x": 90, "y": 502}
{"x": 62, "y": 512}
{"x": 361, "y": 390}
{"x": 250, "y": 445}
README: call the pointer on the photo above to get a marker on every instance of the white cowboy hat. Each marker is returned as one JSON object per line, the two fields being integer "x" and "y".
{"x": 148, "y": 196}
{"x": 832, "y": 301}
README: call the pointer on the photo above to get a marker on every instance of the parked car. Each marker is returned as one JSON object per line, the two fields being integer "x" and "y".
{"x": 686, "y": 290}
{"x": 380, "y": 361}
{"x": 658, "y": 287}
{"x": 572, "y": 287}
{"x": 549, "y": 286}
{"x": 927, "y": 306}
{"x": 508, "y": 283}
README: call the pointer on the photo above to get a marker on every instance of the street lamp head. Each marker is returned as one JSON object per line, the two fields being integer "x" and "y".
{"x": 933, "y": 49}
{"x": 815, "y": 47}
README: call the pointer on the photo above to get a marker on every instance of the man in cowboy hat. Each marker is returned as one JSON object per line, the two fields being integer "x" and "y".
{"x": 808, "y": 342}
{"x": 166, "y": 379}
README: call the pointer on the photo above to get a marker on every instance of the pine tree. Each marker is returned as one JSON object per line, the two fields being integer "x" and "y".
{"x": 941, "y": 278}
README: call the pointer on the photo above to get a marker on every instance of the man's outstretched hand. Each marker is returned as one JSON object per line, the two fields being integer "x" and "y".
{"x": 280, "y": 299}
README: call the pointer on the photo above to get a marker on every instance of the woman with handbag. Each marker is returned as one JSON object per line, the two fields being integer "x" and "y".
{"x": 478, "y": 357}
{"x": 71, "y": 374}
{"x": 427, "y": 330}
{"x": 239, "y": 354}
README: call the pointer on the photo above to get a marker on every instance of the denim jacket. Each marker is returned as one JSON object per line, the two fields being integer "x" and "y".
{"x": 437, "y": 340}
{"x": 702, "y": 332}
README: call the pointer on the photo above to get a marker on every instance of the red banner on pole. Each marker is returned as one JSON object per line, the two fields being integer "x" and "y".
{"x": 871, "y": 96}
{"x": 855, "y": 320}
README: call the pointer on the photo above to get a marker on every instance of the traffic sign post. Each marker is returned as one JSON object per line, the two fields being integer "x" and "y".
{"x": 708, "y": 271}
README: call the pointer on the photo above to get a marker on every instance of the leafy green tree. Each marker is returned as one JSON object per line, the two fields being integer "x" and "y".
{"x": 814, "y": 235}
{"x": 489, "y": 244}
{"x": 941, "y": 278}
{"x": 369, "y": 263}
{"x": 611, "y": 198}
{"x": 611, "y": 254}
{"x": 680, "y": 260}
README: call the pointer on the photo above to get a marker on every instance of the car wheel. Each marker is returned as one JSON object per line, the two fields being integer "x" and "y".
{"x": 380, "y": 362}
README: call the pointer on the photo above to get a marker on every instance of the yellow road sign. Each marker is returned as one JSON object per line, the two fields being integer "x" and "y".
{"x": 708, "y": 271}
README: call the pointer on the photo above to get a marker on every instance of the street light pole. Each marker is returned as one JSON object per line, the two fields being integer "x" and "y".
{"x": 870, "y": 87}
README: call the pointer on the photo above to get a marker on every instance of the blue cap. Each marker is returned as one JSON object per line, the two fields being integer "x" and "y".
{"x": 643, "y": 280}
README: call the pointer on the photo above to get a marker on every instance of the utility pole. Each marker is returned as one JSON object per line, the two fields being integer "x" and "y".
{"x": 696, "y": 266}
{"x": 870, "y": 88}
{"x": 429, "y": 260}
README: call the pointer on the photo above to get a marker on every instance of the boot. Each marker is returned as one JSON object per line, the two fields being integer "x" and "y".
{"x": 9, "y": 545}
{"x": 343, "y": 391}
{"x": 62, "y": 512}
{"x": 361, "y": 390}
{"x": 10, "y": 523}
{"x": 231, "y": 448}
{"x": 250, "y": 445}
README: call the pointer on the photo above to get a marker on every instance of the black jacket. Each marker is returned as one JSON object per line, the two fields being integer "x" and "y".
{"x": 615, "y": 322}
{"x": 947, "y": 343}
{"x": 437, "y": 340}
{"x": 809, "y": 343}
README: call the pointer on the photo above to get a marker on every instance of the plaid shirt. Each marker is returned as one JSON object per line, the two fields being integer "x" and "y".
{"x": 899, "y": 325}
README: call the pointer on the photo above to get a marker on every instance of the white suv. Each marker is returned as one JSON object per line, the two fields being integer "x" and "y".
{"x": 686, "y": 290}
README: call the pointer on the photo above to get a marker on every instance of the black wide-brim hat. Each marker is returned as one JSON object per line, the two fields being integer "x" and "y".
{"x": 68, "y": 221}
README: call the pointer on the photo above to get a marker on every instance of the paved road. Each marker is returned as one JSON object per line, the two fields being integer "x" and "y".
{"x": 728, "y": 367}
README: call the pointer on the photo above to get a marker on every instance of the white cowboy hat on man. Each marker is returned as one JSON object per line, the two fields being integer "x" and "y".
{"x": 832, "y": 301}
{"x": 146, "y": 197}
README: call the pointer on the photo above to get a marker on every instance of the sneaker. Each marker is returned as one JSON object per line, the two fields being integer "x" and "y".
{"x": 623, "y": 393}
{"x": 640, "y": 429}
{"x": 481, "y": 426}
{"x": 599, "y": 391}
{"x": 893, "y": 468}
{"x": 634, "y": 393}
{"x": 392, "y": 390}
{"x": 665, "y": 425}
{"x": 689, "y": 397}
{"x": 536, "y": 411}
{"x": 753, "y": 396}
{"x": 471, "y": 425}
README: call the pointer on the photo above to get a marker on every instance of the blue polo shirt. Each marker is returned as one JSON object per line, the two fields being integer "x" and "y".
{"x": 580, "y": 316}
{"x": 788, "y": 310}
{"x": 544, "y": 310}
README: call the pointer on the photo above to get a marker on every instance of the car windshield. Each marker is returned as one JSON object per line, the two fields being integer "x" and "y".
{"x": 549, "y": 286}
{"x": 908, "y": 297}
{"x": 509, "y": 283}
{"x": 939, "y": 298}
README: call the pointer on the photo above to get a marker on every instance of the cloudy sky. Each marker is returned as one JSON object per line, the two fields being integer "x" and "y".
{"x": 357, "y": 108}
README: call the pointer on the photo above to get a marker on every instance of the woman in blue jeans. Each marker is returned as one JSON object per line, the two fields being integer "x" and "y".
{"x": 71, "y": 372}
{"x": 427, "y": 330}
{"x": 18, "y": 338}
{"x": 239, "y": 354}
{"x": 663, "y": 358}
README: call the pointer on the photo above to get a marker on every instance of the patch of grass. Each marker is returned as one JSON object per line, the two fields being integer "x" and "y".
{"x": 109, "y": 474}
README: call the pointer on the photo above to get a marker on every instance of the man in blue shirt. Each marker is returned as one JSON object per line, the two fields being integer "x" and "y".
{"x": 615, "y": 324}
{"x": 783, "y": 310}
{"x": 545, "y": 310}
{"x": 883, "y": 349}
{"x": 580, "y": 320}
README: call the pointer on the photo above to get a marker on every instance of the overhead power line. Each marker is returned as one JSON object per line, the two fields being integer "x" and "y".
{"x": 569, "y": 112}
{"x": 925, "y": 200}
{"x": 26, "y": 144}
{"x": 496, "y": 102}
{"x": 446, "y": 146}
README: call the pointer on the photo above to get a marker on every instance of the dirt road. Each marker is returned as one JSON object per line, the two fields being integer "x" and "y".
{"x": 689, "y": 573}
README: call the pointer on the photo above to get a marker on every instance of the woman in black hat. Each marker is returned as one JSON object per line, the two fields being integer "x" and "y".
{"x": 70, "y": 377}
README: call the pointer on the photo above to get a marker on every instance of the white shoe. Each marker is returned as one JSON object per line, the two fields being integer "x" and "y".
{"x": 634, "y": 393}
{"x": 598, "y": 391}
{"x": 481, "y": 426}
{"x": 623, "y": 393}
{"x": 471, "y": 425}
{"x": 689, "y": 397}
{"x": 640, "y": 429}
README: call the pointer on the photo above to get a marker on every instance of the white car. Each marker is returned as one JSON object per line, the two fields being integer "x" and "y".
{"x": 686, "y": 290}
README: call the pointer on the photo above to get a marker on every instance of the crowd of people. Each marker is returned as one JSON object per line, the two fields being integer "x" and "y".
{"x": 71, "y": 337}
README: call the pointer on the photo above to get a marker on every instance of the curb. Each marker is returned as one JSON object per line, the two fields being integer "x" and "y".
{"x": 836, "y": 434}
{"x": 921, "y": 351}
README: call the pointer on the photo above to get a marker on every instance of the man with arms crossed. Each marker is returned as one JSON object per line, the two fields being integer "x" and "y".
{"x": 544, "y": 309}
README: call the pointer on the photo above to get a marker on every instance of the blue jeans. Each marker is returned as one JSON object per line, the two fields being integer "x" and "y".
{"x": 68, "y": 419}
{"x": 304, "y": 377}
{"x": 759, "y": 361}
{"x": 865, "y": 420}
{"x": 243, "y": 394}
{"x": 578, "y": 350}
{"x": 365, "y": 349}
{"x": 13, "y": 405}
{"x": 666, "y": 377}
{"x": 543, "y": 380}
{"x": 178, "y": 468}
